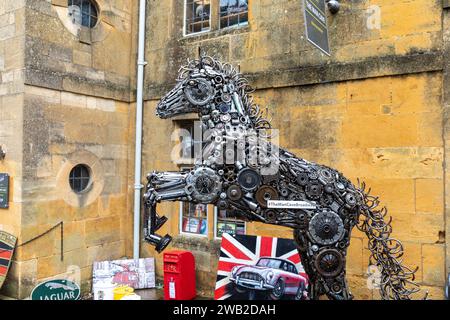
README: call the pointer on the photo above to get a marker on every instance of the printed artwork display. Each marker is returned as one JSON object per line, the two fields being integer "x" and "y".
{"x": 256, "y": 268}
{"x": 138, "y": 274}
{"x": 7, "y": 245}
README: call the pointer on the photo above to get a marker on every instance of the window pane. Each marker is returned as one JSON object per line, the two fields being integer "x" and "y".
{"x": 189, "y": 144}
{"x": 233, "y": 12}
{"x": 84, "y": 12}
{"x": 197, "y": 15}
{"x": 194, "y": 218}
{"x": 228, "y": 222}
{"x": 79, "y": 178}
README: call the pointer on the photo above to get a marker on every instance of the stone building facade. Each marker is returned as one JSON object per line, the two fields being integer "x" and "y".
{"x": 376, "y": 110}
{"x": 67, "y": 99}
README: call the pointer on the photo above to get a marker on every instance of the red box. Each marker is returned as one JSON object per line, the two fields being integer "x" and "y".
{"x": 179, "y": 275}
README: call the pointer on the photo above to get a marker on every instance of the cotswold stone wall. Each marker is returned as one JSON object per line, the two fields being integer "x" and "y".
{"x": 12, "y": 41}
{"x": 373, "y": 110}
{"x": 75, "y": 107}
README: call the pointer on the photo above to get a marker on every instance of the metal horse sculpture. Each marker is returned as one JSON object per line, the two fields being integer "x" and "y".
{"x": 239, "y": 169}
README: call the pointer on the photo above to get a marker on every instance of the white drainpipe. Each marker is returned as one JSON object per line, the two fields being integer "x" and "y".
{"x": 138, "y": 152}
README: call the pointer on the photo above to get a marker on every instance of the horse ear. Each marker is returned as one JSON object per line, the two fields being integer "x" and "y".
{"x": 201, "y": 55}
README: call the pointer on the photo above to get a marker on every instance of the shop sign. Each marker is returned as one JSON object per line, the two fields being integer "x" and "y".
{"x": 4, "y": 190}
{"x": 316, "y": 24}
{"x": 58, "y": 289}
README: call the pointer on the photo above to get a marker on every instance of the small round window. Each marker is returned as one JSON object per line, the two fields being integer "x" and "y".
{"x": 79, "y": 178}
{"x": 83, "y": 12}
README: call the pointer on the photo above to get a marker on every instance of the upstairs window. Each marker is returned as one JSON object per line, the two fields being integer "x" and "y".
{"x": 190, "y": 140}
{"x": 83, "y": 12}
{"x": 233, "y": 13}
{"x": 79, "y": 178}
{"x": 197, "y": 13}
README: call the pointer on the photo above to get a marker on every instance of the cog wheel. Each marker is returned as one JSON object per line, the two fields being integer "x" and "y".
{"x": 329, "y": 263}
{"x": 264, "y": 194}
{"x": 326, "y": 228}
{"x": 234, "y": 193}
{"x": 302, "y": 178}
{"x": 326, "y": 176}
{"x": 199, "y": 92}
{"x": 204, "y": 185}
{"x": 314, "y": 190}
{"x": 249, "y": 179}
{"x": 350, "y": 200}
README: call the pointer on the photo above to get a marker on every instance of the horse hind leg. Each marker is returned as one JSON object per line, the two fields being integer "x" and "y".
{"x": 337, "y": 289}
{"x": 325, "y": 267}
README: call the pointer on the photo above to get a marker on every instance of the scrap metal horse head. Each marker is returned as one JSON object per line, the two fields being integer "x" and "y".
{"x": 239, "y": 169}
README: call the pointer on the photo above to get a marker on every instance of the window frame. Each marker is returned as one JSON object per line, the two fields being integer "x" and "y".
{"x": 80, "y": 179}
{"x": 198, "y": 235}
{"x": 214, "y": 20}
{"x": 234, "y": 26}
{"x": 216, "y": 220}
{"x": 94, "y": 5}
{"x": 185, "y": 34}
{"x": 180, "y": 124}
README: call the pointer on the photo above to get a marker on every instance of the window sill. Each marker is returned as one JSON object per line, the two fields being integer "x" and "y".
{"x": 182, "y": 241}
{"x": 184, "y": 162}
{"x": 238, "y": 29}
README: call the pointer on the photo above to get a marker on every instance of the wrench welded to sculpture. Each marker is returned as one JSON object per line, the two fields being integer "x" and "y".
{"x": 240, "y": 169}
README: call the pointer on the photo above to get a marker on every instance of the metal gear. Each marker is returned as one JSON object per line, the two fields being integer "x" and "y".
{"x": 270, "y": 216}
{"x": 329, "y": 263}
{"x": 326, "y": 176}
{"x": 204, "y": 185}
{"x": 249, "y": 179}
{"x": 302, "y": 178}
{"x": 199, "y": 92}
{"x": 264, "y": 194}
{"x": 326, "y": 228}
{"x": 234, "y": 193}
{"x": 314, "y": 190}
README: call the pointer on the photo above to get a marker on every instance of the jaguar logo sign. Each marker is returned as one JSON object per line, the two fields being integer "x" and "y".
{"x": 56, "y": 290}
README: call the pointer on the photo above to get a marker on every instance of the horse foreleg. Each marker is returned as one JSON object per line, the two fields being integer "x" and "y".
{"x": 162, "y": 186}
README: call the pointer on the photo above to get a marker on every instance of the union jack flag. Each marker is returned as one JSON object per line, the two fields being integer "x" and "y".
{"x": 246, "y": 250}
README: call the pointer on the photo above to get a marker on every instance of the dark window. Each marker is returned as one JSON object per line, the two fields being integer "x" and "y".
{"x": 233, "y": 13}
{"x": 83, "y": 12}
{"x": 191, "y": 143}
{"x": 79, "y": 178}
{"x": 197, "y": 15}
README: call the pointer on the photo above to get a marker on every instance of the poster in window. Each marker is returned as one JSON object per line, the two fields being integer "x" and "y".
{"x": 203, "y": 227}
{"x": 226, "y": 227}
{"x": 191, "y": 225}
{"x": 194, "y": 225}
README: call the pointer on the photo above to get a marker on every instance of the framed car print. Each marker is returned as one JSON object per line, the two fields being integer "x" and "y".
{"x": 259, "y": 268}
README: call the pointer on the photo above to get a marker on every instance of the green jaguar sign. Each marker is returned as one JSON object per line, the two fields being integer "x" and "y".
{"x": 56, "y": 290}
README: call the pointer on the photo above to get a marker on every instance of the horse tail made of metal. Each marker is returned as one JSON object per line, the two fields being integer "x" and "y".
{"x": 394, "y": 280}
